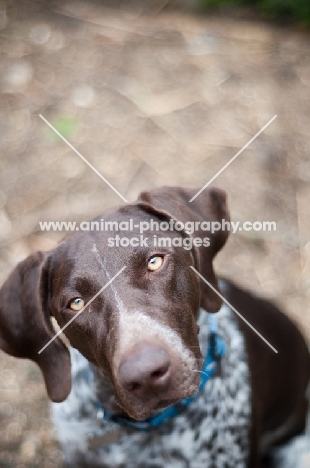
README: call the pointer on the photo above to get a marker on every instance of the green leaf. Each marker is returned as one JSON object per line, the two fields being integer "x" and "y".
{"x": 66, "y": 126}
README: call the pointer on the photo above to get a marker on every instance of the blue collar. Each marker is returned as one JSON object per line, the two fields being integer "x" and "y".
{"x": 216, "y": 349}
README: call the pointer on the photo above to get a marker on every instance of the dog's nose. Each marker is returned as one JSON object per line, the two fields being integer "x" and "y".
{"x": 145, "y": 371}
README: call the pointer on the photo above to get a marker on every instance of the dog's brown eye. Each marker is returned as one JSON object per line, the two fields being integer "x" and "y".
{"x": 154, "y": 263}
{"x": 77, "y": 304}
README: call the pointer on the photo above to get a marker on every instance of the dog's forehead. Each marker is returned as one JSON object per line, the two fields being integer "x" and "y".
{"x": 136, "y": 211}
{"x": 95, "y": 234}
{"x": 94, "y": 249}
{"x": 93, "y": 252}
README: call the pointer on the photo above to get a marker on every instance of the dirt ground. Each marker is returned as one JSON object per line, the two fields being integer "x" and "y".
{"x": 150, "y": 97}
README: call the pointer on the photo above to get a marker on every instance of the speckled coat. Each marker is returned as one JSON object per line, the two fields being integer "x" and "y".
{"x": 212, "y": 432}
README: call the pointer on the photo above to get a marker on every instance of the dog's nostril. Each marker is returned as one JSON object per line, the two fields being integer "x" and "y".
{"x": 134, "y": 386}
{"x": 157, "y": 374}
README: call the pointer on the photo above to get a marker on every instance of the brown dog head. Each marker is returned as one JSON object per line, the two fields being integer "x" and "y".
{"x": 140, "y": 331}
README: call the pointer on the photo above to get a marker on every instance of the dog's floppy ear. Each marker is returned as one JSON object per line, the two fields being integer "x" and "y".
{"x": 210, "y": 206}
{"x": 25, "y": 326}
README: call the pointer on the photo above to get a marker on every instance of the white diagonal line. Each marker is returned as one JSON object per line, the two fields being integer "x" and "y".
{"x": 82, "y": 157}
{"x": 235, "y": 310}
{"x": 233, "y": 158}
{"x": 76, "y": 316}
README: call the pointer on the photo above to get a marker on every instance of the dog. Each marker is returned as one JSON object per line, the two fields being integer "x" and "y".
{"x": 160, "y": 372}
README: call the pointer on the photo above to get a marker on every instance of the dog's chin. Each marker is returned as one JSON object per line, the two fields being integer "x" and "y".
{"x": 153, "y": 410}
{"x": 140, "y": 410}
{"x": 138, "y": 413}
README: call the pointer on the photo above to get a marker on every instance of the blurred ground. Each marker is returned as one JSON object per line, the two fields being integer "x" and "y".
{"x": 150, "y": 98}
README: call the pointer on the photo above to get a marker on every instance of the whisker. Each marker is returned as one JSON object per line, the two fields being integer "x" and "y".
{"x": 201, "y": 372}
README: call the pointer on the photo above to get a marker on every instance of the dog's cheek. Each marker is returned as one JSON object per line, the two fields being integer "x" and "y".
{"x": 76, "y": 333}
{"x": 190, "y": 332}
{"x": 187, "y": 288}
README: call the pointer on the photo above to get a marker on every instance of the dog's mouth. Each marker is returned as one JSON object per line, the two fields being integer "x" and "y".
{"x": 144, "y": 409}
{"x": 165, "y": 404}
{"x": 140, "y": 414}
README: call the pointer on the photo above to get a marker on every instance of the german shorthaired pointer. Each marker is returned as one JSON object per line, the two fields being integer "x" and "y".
{"x": 151, "y": 380}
